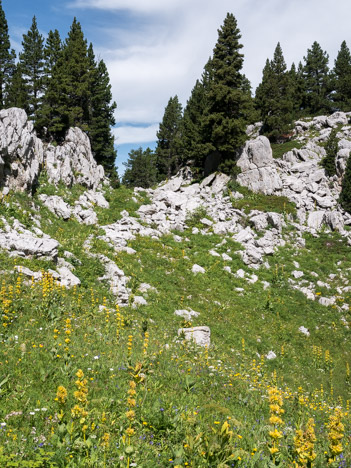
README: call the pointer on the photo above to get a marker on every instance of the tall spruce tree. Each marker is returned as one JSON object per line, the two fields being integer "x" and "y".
{"x": 168, "y": 139}
{"x": 32, "y": 65}
{"x": 229, "y": 105}
{"x": 101, "y": 116}
{"x": 342, "y": 79}
{"x": 193, "y": 143}
{"x": 274, "y": 98}
{"x": 141, "y": 169}
{"x": 297, "y": 86}
{"x": 7, "y": 57}
{"x": 16, "y": 90}
{"x": 317, "y": 81}
{"x": 52, "y": 52}
{"x": 331, "y": 148}
{"x": 67, "y": 100}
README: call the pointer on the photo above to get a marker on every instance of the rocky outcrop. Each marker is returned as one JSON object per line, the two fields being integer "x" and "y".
{"x": 21, "y": 242}
{"x": 73, "y": 162}
{"x": 21, "y": 152}
{"x": 23, "y": 156}
{"x": 258, "y": 171}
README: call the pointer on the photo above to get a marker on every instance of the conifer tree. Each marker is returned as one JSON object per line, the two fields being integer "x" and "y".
{"x": 273, "y": 96}
{"x": 32, "y": 65}
{"x": 101, "y": 116}
{"x": 342, "y": 79}
{"x": 345, "y": 195}
{"x": 67, "y": 97}
{"x": 193, "y": 143}
{"x": 7, "y": 57}
{"x": 52, "y": 51}
{"x": 297, "y": 89}
{"x": 229, "y": 105}
{"x": 16, "y": 90}
{"x": 317, "y": 81}
{"x": 141, "y": 169}
{"x": 331, "y": 148}
{"x": 168, "y": 139}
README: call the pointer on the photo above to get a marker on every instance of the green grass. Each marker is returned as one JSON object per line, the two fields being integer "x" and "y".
{"x": 258, "y": 201}
{"x": 279, "y": 149}
{"x": 183, "y": 395}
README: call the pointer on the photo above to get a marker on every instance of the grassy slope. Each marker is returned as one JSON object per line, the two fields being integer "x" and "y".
{"x": 183, "y": 396}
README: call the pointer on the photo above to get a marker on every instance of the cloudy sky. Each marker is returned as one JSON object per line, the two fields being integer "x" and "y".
{"x": 155, "y": 49}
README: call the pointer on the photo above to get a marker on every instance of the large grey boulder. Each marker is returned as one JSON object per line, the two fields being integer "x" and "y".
{"x": 56, "y": 205}
{"x": 73, "y": 162}
{"x": 21, "y": 152}
{"x": 258, "y": 171}
{"x": 25, "y": 243}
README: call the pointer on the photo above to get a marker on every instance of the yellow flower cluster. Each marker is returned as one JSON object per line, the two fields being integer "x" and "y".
{"x": 275, "y": 407}
{"x": 82, "y": 389}
{"x": 61, "y": 395}
{"x": 304, "y": 444}
{"x": 130, "y": 345}
{"x": 146, "y": 343}
{"x": 130, "y": 414}
{"x": 335, "y": 434}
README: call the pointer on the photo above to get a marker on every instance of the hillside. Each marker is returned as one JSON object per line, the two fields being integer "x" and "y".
{"x": 171, "y": 326}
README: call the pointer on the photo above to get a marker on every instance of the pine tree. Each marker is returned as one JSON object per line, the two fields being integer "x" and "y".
{"x": 273, "y": 96}
{"x": 168, "y": 143}
{"x": 52, "y": 52}
{"x": 7, "y": 57}
{"x": 297, "y": 87}
{"x": 193, "y": 143}
{"x": 16, "y": 90}
{"x": 317, "y": 81}
{"x": 342, "y": 79}
{"x": 229, "y": 104}
{"x": 32, "y": 64}
{"x": 141, "y": 169}
{"x": 345, "y": 195}
{"x": 67, "y": 100}
{"x": 101, "y": 116}
{"x": 331, "y": 148}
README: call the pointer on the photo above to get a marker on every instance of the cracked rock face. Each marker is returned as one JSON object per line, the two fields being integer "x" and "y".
{"x": 21, "y": 152}
{"x": 23, "y": 156}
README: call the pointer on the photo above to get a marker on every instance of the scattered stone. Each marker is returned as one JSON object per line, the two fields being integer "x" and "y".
{"x": 197, "y": 269}
{"x": 304, "y": 330}
{"x": 186, "y": 314}
{"x": 200, "y": 335}
{"x": 297, "y": 274}
{"x": 139, "y": 301}
{"x": 271, "y": 355}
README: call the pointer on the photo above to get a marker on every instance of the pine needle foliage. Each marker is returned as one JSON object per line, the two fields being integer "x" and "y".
{"x": 7, "y": 57}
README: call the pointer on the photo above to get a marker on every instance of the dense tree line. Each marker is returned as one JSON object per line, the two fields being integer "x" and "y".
{"x": 60, "y": 84}
{"x": 210, "y": 131}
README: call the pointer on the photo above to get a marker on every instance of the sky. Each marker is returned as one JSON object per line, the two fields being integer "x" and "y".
{"x": 156, "y": 49}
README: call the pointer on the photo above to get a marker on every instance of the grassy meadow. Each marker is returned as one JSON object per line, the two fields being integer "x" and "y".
{"x": 84, "y": 383}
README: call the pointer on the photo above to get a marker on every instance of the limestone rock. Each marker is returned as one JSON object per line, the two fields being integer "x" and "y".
{"x": 197, "y": 269}
{"x": 73, "y": 162}
{"x": 57, "y": 206}
{"x": 258, "y": 171}
{"x": 186, "y": 314}
{"x": 21, "y": 152}
{"x": 200, "y": 335}
{"x": 67, "y": 278}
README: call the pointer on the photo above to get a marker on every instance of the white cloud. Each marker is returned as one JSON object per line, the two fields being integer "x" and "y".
{"x": 164, "y": 51}
{"x": 148, "y": 6}
{"x": 130, "y": 134}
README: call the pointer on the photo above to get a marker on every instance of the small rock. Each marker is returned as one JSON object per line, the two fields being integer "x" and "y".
{"x": 197, "y": 269}
{"x": 200, "y": 335}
